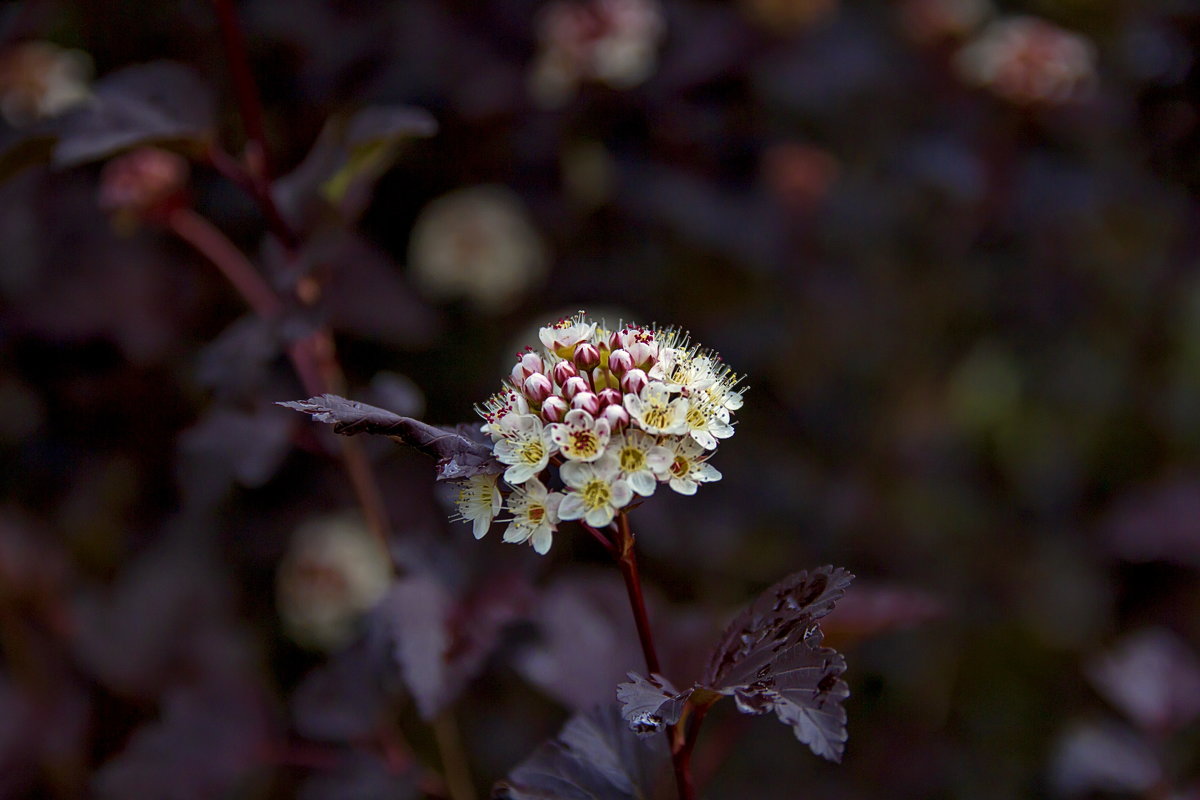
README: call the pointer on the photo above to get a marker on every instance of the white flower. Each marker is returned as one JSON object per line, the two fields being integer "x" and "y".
{"x": 479, "y": 501}
{"x": 580, "y": 436}
{"x": 689, "y": 467}
{"x": 707, "y": 421}
{"x": 642, "y": 460}
{"x": 501, "y": 411}
{"x": 599, "y": 491}
{"x": 535, "y": 514}
{"x": 526, "y": 446}
{"x": 562, "y": 336}
{"x": 655, "y": 411}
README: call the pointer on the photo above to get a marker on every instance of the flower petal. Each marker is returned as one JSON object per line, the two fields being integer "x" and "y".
{"x": 683, "y": 486}
{"x": 543, "y": 537}
{"x": 642, "y": 482}
{"x": 572, "y": 506}
{"x": 576, "y": 474}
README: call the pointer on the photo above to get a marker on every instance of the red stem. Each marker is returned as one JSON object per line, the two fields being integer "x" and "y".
{"x": 681, "y": 748}
{"x": 244, "y": 87}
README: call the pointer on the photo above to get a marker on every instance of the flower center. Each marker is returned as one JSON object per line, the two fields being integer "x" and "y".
{"x": 632, "y": 459}
{"x": 657, "y": 416}
{"x": 596, "y": 494}
{"x": 535, "y": 513}
{"x": 532, "y": 452}
{"x": 680, "y": 466}
{"x": 584, "y": 443}
{"x": 696, "y": 418}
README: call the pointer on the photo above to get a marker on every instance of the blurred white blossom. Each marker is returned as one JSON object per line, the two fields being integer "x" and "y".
{"x": 614, "y": 42}
{"x": 333, "y": 573}
{"x": 41, "y": 79}
{"x": 479, "y": 244}
{"x": 1028, "y": 60}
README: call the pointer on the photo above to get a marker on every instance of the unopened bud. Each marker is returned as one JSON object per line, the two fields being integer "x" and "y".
{"x": 617, "y": 416}
{"x": 563, "y": 371}
{"x": 620, "y": 362}
{"x": 588, "y": 401}
{"x": 531, "y": 363}
{"x": 634, "y": 381}
{"x": 587, "y": 356}
{"x": 554, "y": 408}
{"x": 575, "y": 385}
{"x": 538, "y": 387}
{"x": 609, "y": 397}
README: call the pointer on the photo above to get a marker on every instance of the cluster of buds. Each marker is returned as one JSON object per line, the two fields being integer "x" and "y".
{"x": 593, "y": 419}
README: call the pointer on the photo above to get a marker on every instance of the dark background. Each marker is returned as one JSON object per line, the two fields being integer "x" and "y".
{"x": 967, "y": 307}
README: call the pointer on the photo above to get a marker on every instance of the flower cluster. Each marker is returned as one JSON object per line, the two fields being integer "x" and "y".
{"x": 595, "y": 418}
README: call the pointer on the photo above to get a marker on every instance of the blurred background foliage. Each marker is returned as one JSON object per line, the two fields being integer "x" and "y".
{"x": 953, "y": 244}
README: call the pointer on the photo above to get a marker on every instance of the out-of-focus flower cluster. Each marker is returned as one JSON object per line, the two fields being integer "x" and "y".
{"x": 41, "y": 79}
{"x": 1029, "y": 61}
{"x": 595, "y": 418}
{"x": 614, "y": 42}
{"x": 477, "y": 243}
{"x": 333, "y": 573}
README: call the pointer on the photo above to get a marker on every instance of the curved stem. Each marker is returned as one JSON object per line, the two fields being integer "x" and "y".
{"x": 681, "y": 749}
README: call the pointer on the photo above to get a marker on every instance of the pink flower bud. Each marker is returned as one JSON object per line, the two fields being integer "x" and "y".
{"x": 634, "y": 381}
{"x": 620, "y": 362}
{"x": 610, "y": 397}
{"x": 575, "y": 385}
{"x": 538, "y": 387}
{"x": 587, "y": 356}
{"x": 554, "y": 408}
{"x": 618, "y": 418}
{"x": 563, "y": 371}
{"x": 588, "y": 401}
{"x": 531, "y": 363}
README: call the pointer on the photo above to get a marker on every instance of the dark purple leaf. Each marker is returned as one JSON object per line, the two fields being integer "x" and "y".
{"x": 365, "y": 293}
{"x": 770, "y": 659}
{"x": 209, "y": 738}
{"x": 388, "y": 124}
{"x": 779, "y": 616}
{"x": 346, "y": 160}
{"x": 231, "y": 444}
{"x": 585, "y": 612}
{"x": 343, "y": 699}
{"x": 1153, "y": 678}
{"x": 650, "y": 704}
{"x": 459, "y": 455}
{"x": 160, "y": 102}
{"x": 594, "y": 757}
{"x": 1104, "y": 757}
{"x": 168, "y": 610}
{"x": 442, "y": 642}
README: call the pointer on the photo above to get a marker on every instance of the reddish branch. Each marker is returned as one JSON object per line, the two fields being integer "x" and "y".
{"x": 681, "y": 745}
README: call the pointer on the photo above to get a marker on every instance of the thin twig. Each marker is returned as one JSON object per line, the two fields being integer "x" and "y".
{"x": 244, "y": 86}
{"x": 627, "y": 561}
{"x": 600, "y": 537}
